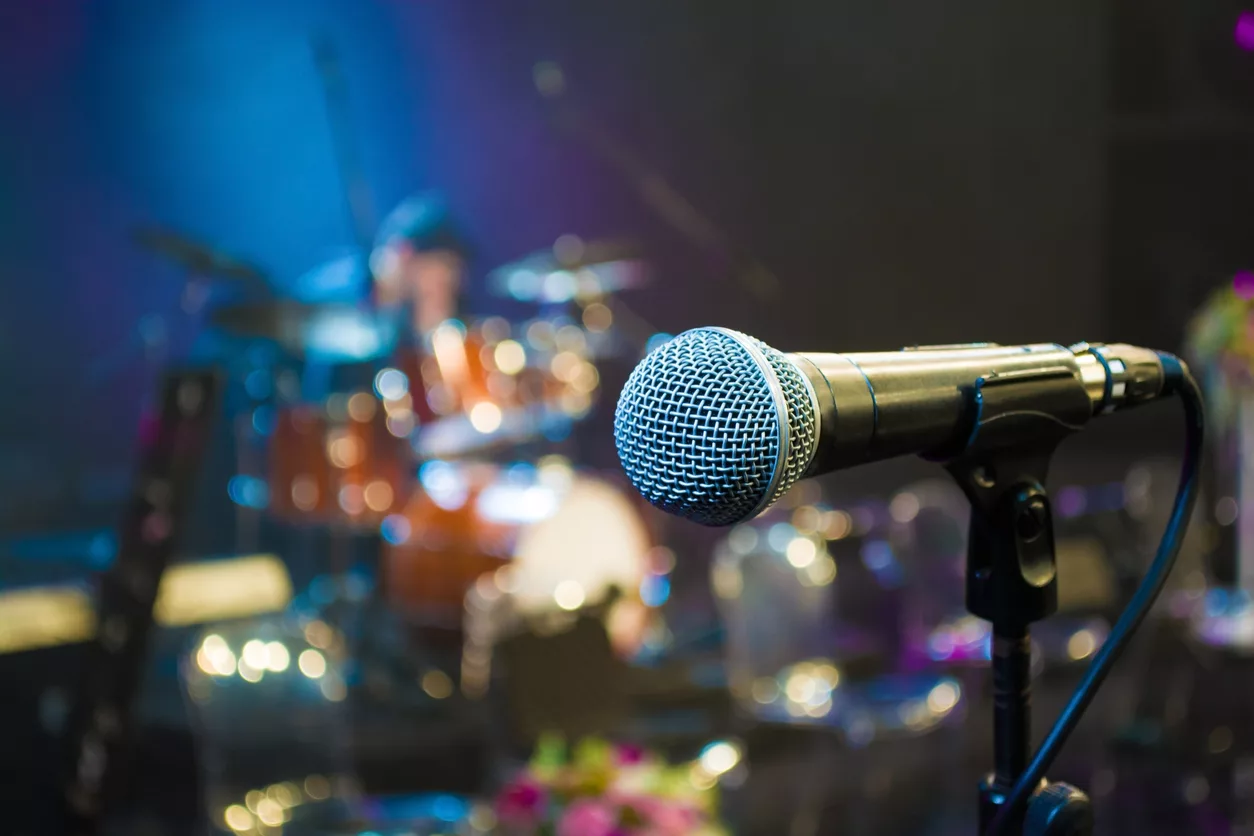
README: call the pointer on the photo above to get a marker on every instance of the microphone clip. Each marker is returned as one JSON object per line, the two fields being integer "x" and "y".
{"x": 1012, "y": 573}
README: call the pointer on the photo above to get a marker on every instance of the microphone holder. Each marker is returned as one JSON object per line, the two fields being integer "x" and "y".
{"x": 1012, "y": 582}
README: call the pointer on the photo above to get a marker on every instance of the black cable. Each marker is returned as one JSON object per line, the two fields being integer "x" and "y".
{"x": 1178, "y": 381}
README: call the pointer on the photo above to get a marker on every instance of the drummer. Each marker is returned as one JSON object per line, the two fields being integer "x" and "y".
{"x": 419, "y": 263}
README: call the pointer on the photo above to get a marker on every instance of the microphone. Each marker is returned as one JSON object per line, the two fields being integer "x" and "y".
{"x": 714, "y": 426}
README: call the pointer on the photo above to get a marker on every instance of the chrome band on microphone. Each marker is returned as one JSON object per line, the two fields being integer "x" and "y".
{"x": 1118, "y": 375}
{"x": 846, "y": 403}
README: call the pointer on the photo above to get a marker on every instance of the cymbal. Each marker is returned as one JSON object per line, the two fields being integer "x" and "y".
{"x": 196, "y": 257}
{"x": 455, "y": 436}
{"x": 340, "y": 277}
{"x": 571, "y": 269}
{"x": 333, "y": 333}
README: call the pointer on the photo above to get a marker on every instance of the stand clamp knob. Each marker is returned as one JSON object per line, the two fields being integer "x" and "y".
{"x": 1059, "y": 810}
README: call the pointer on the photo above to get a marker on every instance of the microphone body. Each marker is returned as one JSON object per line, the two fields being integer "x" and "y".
{"x": 714, "y": 425}
{"x": 925, "y": 400}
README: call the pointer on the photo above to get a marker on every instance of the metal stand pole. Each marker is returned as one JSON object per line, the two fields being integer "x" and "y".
{"x": 1012, "y": 717}
{"x": 1012, "y": 581}
{"x": 1012, "y": 703}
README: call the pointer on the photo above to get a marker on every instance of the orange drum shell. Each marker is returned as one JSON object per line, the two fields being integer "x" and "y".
{"x": 446, "y": 552}
{"x": 354, "y": 472}
{"x": 299, "y": 474}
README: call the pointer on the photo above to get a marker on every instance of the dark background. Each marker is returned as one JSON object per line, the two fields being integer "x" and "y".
{"x": 911, "y": 172}
{"x": 908, "y": 172}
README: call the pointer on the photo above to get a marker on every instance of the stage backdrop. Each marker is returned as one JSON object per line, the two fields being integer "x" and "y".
{"x": 909, "y": 172}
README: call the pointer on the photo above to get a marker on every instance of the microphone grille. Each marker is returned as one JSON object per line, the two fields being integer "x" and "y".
{"x": 714, "y": 426}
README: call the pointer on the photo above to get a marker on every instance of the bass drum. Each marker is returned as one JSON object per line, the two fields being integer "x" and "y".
{"x": 554, "y": 539}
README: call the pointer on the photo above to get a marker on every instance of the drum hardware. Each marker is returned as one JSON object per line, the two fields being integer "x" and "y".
{"x": 654, "y": 191}
{"x": 100, "y": 720}
{"x": 357, "y": 199}
{"x": 199, "y": 260}
{"x": 572, "y": 270}
{"x": 592, "y": 275}
{"x": 351, "y": 458}
{"x": 325, "y": 332}
{"x": 203, "y": 266}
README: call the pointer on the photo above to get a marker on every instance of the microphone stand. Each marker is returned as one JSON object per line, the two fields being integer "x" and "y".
{"x": 1012, "y": 582}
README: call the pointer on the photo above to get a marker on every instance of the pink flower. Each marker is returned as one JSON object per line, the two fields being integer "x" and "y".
{"x": 521, "y": 803}
{"x": 587, "y": 817}
{"x": 629, "y": 754}
{"x": 664, "y": 817}
{"x": 673, "y": 820}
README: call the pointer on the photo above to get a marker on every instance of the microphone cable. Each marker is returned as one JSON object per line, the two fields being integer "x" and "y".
{"x": 1178, "y": 381}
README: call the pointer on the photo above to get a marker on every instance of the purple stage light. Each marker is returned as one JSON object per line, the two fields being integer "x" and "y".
{"x": 1243, "y": 284}
{"x": 1244, "y": 32}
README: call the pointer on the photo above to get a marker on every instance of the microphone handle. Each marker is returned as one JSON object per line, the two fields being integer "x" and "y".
{"x": 929, "y": 399}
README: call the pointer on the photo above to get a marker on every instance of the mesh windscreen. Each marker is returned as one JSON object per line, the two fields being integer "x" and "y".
{"x": 697, "y": 429}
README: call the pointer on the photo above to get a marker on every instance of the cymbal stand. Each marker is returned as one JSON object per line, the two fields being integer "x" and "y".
{"x": 657, "y": 193}
{"x": 357, "y": 198}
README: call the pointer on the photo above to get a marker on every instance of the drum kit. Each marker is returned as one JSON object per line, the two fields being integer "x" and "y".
{"x": 448, "y": 456}
{"x": 443, "y": 447}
